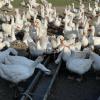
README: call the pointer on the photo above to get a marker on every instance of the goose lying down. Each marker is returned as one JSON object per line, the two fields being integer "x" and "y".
{"x": 17, "y": 72}
{"x": 18, "y": 68}
{"x": 5, "y": 53}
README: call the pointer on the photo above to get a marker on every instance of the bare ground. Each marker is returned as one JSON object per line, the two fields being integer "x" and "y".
{"x": 65, "y": 89}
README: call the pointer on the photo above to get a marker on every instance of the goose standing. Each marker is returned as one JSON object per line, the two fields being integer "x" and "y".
{"x": 90, "y": 8}
{"x": 55, "y": 42}
{"x": 94, "y": 40}
{"x": 18, "y": 20}
{"x": 57, "y": 22}
{"x": 97, "y": 26}
{"x": 40, "y": 47}
{"x": 2, "y": 3}
{"x": 82, "y": 65}
{"x": 10, "y": 6}
{"x": 84, "y": 41}
{"x": 2, "y": 42}
{"x": 42, "y": 11}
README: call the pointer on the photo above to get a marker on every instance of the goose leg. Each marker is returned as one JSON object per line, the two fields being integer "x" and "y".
{"x": 18, "y": 91}
{"x": 80, "y": 78}
{"x": 97, "y": 75}
{"x": 71, "y": 77}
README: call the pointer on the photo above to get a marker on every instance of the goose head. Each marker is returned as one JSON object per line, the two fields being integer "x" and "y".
{"x": 96, "y": 5}
{"x": 42, "y": 11}
{"x": 37, "y": 23}
{"x": 43, "y": 68}
{"x": 50, "y": 5}
{"x": 66, "y": 51}
{"x": 94, "y": 12}
{"x": 80, "y": 2}
{"x": 57, "y": 21}
{"x": 1, "y": 37}
{"x": 60, "y": 39}
{"x": 10, "y": 6}
{"x": 17, "y": 11}
{"x": 73, "y": 6}
{"x": 84, "y": 41}
{"x": 91, "y": 30}
{"x": 81, "y": 31}
{"x": 90, "y": 8}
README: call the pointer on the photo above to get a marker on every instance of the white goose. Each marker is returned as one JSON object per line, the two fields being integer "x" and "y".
{"x": 12, "y": 34}
{"x": 45, "y": 2}
{"x": 55, "y": 42}
{"x": 96, "y": 60}
{"x": 74, "y": 9}
{"x": 75, "y": 46}
{"x": 90, "y": 8}
{"x": 10, "y": 6}
{"x": 97, "y": 26}
{"x": 94, "y": 13}
{"x": 82, "y": 65}
{"x": 66, "y": 52}
{"x": 18, "y": 20}
{"x": 42, "y": 11}
{"x": 40, "y": 47}
{"x": 17, "y": 72}
{"x": 2, "y": 3}
{"x": 57, "y": 21}
{"x": 33, "y": 3}
{"x": 93, "y": 40}
{"x": 23, "y": 3}
{"x": 7, "y": 29}
{"x": 97, "y": 8}
{"x": 5, "y": 53}
{"x": 84, "y": 41}
{"x": 3, "y": 43}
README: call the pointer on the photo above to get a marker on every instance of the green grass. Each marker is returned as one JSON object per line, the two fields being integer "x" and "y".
{"x": 64, "y": 2}
{"x": 16, "y": 3}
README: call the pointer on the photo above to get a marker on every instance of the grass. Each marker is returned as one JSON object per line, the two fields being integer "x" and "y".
{"x": 16, "y": 3}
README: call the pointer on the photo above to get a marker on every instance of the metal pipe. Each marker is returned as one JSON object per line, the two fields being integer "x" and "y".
{"x": 51, "y": 83}
{"x": 35, "y": 80}
{"x": 27, "y": 95}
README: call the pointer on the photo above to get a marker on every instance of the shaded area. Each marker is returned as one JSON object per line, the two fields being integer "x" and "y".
{"x": 6, "y": 93}
{"x": 65, "y": 89}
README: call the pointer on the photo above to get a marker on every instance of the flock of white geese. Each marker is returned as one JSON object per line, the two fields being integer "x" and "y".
{"x": 76, "y": 45}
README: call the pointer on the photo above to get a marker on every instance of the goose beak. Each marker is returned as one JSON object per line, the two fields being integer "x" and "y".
{"x": 48, "y": 72}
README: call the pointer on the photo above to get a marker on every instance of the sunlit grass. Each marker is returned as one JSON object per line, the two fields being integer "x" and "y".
{"x": 16, "y": 3}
